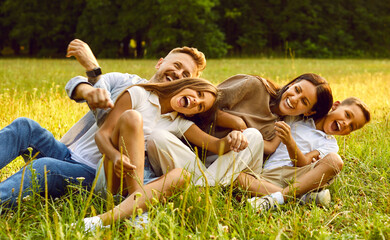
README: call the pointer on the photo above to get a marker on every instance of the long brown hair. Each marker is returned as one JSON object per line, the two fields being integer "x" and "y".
{"x": 324, "y": 93}
{"x": 170, "y": 89}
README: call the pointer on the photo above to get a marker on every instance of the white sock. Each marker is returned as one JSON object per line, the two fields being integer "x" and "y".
{"x": 278, "y": 196}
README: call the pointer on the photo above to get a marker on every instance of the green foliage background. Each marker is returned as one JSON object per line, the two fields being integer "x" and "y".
{"x": 305, "y": 28}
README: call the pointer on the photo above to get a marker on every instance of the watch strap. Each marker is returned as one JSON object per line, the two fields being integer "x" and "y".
{"x": 95, "y": 72}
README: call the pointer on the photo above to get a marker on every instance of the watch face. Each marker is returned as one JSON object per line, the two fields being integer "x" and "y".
{"x": 95, "y": 72}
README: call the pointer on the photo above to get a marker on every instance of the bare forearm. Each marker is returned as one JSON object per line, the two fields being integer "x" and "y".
{"x": 230, "y": 121}
{"x": 80, "y": 91}
{"x": 271, "y": 145}
{"x": 298, "y": 158}
{"x": 218, "y": 146}
{"x": 105, "y": 145}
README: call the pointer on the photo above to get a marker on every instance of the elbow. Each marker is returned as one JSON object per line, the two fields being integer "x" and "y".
{"x": 98, "y": 138}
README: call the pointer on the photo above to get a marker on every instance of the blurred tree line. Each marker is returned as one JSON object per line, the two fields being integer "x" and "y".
{"x": 150, "y": 28}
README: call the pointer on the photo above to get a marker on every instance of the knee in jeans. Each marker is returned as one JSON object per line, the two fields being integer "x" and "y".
{"x": 24, "y": 122}
{"x": 130, "y": 119}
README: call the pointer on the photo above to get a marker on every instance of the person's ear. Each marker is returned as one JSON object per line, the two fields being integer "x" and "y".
{"x": 160, "y": 61}
{"x": 335, "y": 105}
{"x": 308, "y": 114}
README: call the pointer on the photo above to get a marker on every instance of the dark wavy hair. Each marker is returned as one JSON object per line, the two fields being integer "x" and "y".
{"x": 324, "y": 93}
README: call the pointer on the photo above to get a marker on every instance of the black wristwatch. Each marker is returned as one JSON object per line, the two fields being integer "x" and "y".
{"x": 95, "y": 72}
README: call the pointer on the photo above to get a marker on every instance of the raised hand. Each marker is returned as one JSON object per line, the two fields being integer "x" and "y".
{"x": 83, "y": 53}
{"x": 283, "y": 131}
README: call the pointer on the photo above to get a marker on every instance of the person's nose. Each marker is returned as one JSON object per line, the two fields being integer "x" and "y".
{"x": 179, "y": 73}
{"x": 195, "y": 102}
{"x": 344, "y": 124}
{"x": 294, "y": 99}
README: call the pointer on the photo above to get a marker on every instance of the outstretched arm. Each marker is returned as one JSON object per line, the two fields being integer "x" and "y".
{"x": 235, "y": 140}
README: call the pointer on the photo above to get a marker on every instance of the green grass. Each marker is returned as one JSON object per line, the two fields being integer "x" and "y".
{"x": 360, "y": 206}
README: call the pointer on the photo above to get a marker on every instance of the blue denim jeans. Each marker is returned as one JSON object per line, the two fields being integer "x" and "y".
{"x": 60, "y": 168}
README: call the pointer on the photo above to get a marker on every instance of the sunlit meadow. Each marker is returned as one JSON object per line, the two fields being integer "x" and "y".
{"x": 360, "y": 206}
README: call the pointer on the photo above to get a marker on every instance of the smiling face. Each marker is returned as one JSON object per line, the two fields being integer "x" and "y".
{"x": 175, "y": 66}
{"x": 190, "y": 102}
{"x": 298, "y": 99}
{"x": 343, "y": 119}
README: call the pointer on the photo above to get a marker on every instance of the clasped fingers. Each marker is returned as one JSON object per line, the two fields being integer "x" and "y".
{"x": 237, "y": 141}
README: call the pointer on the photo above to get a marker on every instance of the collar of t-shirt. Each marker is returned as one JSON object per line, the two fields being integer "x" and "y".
{"x": 153, "y": 99}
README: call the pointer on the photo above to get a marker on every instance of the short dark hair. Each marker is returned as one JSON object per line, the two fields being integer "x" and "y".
{"x": 354, "y": 100}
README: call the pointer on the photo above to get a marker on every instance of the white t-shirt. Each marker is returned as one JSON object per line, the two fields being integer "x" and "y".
{"x": 307, "y": 138}
{"x": 148, "y": 105}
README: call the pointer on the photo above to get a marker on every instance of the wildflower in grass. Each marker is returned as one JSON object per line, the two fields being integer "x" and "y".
{"x": 80, "y": 179}
{"x": 26, "y": 198}
{"x": 225, "y": 229}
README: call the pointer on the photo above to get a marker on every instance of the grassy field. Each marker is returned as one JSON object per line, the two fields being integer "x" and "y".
{"x": 360, "y": 206}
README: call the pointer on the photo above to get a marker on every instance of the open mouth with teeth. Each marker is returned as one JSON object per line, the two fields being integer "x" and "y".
{"x": 184, "y": 102}
{"x": 289, "y": 103}
{"x": 336, "y": 126}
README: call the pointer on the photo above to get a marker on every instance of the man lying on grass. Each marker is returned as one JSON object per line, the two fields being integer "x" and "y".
{"x": 296, "y": 167}
{"x": 309, "y": 139}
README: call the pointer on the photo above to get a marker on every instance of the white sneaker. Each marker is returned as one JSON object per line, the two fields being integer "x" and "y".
{"x": 92, "y": 223}
{"x": 264, "y": 203}
{"x": 321, "y": 198}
